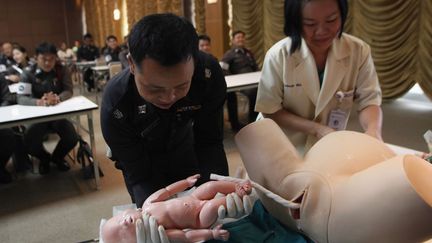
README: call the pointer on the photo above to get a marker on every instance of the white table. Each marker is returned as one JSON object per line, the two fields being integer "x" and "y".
{"x": 14, "y": 115}
{"x": 103, "y": 68}
{"x": 242, "y": 81}
{"x": 86, "y": 64}
{"x": 80, "y": 68}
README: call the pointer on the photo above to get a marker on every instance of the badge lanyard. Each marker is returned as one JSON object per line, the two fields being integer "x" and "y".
{"x": 338, "y": 117}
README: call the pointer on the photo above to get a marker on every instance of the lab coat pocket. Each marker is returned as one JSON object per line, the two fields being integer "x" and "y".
{"x": 344, "y": 100}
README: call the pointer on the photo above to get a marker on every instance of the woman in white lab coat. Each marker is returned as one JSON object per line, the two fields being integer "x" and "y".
{"x": 311, "y": 78}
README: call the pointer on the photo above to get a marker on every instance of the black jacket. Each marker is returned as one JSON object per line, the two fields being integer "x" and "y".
{"x": 188, "y": 136}
{"x": 87, "y": 53}
{"x": 240, "y": 60}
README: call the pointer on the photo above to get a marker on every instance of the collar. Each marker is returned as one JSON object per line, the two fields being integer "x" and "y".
{"x": 339, "y": 49}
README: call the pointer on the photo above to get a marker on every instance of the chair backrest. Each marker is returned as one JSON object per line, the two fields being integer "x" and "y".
{"x": 114, "y": 68}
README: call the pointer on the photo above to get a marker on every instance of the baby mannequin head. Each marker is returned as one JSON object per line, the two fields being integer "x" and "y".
{"x": 121, "y": 228}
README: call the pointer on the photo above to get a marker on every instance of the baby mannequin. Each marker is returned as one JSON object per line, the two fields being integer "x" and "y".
{"x": 197, "y": 212}
{"x": 350, "y": 186}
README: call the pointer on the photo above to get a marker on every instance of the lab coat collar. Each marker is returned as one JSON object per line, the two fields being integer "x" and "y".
{"x": 334, "y": 73}
{"x": 306, "y": 72}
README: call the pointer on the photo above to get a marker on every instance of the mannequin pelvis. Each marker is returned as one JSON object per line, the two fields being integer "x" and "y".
{"x": 352, "y": 187}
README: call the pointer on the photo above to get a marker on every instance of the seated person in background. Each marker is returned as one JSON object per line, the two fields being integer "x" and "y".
{"x": 238, "y": 60}
{"x": 124, "y": 52}
{"x": 21, "y": 58}
{"x": 197, "y": 211}
{"x": 66, "y": 55}
{"x": 6, "y": 59}
{"x": 88, "y": 52}
{"x": 111, "y": 50}
{"x": 12, "y": 75}
{"x": 204, "y": 43}
{"x": 75, "y": 47}
{"x": 7, "y": 144}
{"x": 20, "y": 158}
{"x": 50, "y": 84}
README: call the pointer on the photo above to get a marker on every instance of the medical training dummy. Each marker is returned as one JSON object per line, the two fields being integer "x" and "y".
{"x": 350, "y": 187}
{"x": 196, "y": 212}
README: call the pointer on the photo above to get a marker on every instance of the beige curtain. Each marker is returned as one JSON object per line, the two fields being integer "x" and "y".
{"x": 99, "y": 19}
{"x": 398, "y": 31}
{"x": 99, "y": 14}
{"x": 262, "y": 21}
{"x": 200, "y": 20}
{"x": 391, "y": 27}
{"x": 139, "y": 8}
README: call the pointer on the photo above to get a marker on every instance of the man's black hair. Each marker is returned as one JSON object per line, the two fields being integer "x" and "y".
{"x": 237, "y": 32}
{"x": 294, "y": 20}
{"x": 204, "y": 37}
{"x": 88, "y": 35}
{"x": 46, "y": 48}
{"x": 111, "y": 37}
{"x": 166, "y": 38}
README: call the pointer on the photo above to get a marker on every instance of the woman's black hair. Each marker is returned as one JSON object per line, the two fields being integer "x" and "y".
{"x": 294, "y": 20}
{"x": 21, "y": 49}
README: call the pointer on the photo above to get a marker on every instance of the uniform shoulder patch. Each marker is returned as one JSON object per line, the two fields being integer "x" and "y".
{"x": 207, "y": 73}
{"x": 117, "y": 114}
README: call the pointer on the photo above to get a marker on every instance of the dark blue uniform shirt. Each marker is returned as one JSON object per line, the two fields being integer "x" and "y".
{"x": 155, "y": 147}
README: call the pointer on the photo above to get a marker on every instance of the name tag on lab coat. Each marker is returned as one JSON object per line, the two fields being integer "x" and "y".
{"x": 338, "y": 119}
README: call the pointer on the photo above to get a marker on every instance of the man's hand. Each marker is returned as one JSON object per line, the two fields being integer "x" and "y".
{"x": 236, "y": 207}
{"x": 52, "y": 98}
{"x": 42, "y": 101}
{"x": 148, "y": 231}
{"x": 13, "y": 78}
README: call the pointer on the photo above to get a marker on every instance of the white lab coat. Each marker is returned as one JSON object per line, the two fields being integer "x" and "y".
{"x": 291, "y": 82}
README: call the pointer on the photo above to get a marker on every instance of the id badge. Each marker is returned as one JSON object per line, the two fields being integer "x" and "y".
{"x": 337, "y": 119}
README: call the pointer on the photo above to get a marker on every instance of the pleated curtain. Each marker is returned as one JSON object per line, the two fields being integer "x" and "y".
{"x": 398, "y": 31}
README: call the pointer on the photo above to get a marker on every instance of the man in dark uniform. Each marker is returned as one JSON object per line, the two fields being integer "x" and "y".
{"x": 6, "y": 57}
{"x": 7, "y": 146}
{"x": 235, "y": 61}
{"x": 50, "y": 84}
{"x": 88, "y": 52}
{"x": 163, "y": 117}
{"x": 112, "y": 49}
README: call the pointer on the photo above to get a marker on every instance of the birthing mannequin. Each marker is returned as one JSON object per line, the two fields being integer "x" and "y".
{"x": 351, "y": 187}
{"x": 197, "y": 211}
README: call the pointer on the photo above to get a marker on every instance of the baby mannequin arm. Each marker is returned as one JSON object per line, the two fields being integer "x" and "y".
{"x": 165, "y": 193}
{"x": 197, "y": 235}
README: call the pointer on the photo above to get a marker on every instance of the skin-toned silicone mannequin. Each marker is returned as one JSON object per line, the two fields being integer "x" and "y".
{"x": 197, "y": 212}
{"x": 351, "y": 187}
